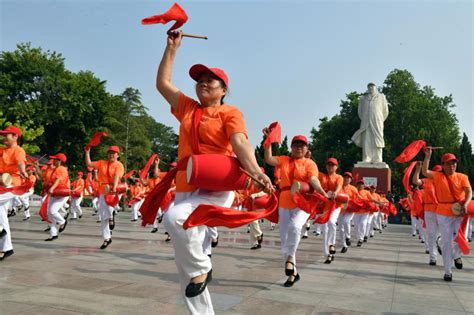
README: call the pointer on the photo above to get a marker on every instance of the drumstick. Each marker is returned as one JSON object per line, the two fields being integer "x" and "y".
{"x": 194, "y": 36}
{"x": 436, "y": 148}
{"x": 252, "y": 177}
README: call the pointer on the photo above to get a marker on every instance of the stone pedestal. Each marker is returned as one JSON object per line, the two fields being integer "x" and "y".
{"x": 377, "y": 174}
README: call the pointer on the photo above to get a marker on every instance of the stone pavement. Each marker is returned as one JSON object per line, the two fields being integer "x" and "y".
{"x": 136, "y": 274}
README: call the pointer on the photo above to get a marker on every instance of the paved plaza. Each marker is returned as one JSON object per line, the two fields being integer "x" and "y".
{"x": 137, "y": 275}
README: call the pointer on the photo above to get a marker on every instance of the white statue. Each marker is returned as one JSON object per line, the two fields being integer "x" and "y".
{"x": 373, "y": 110}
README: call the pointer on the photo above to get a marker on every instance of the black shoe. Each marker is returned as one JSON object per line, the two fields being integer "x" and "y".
{"x": 3, "y": 233}
{"x": 348, "y": 241}
{"x": 26, "y": 219}
{"x": 438, "y": 246}
{"x": 427, "y": 251}
{"x": 7, "y": 254}
{"x": 52, "y": 238}
{"x": 80, "y": 217}
{"x": 167, "y": 233}
{"x": 307, "y": 228}
{"x": 432, "y": 262}
{"x": 365, "y": 239}
{"x": 112, "y": 224}
{"x": 458, "y": 263}
{"x": 359, "y": 243}
{"x": 154, "y": 230}
{"x": 371, "y": 236}
{"x": 133, "y": 220}
{"x": 106, "y": 243}
{"x": 413, "y": 235}
{"x": 288, "y": 271}
{"x": 256, "y": 246}
{"x": 289, "y": 283}
{"x": 328, "y": 260}
{"x": 260, "y": 240}
{"x": 62, "y": 227}
{"x": 448, "y": 278}
{"x": 214, "y": 244}
{"x": 209, "y": 255}
{"x": 304, "y": 236}
{"x": 160, "y": 219}
{"x": 332, "y": 249}
{"x": 422, "y": 242}
{"x": 168, "y": 239}
{"x": 194, "y": 289}
{"x": 380, "y": 231}
{"x": 47, "y": 229}
{"x": 343, "y": 250}
{"x": 317, "y": 233}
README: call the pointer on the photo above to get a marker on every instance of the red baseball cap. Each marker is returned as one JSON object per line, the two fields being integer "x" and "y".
{"x": 114, "y": 148}
{"x": 348, "y": 174}
{"x": 437, "y": 168}
{"x": 299, "y": 138}
{"x": 447, "y": 157}
{"x": 361, "y": 181}
{"x": 197, "y": 70}
{"x": 332, "y": 160}
{"x": 60, "y": 156}
{"x": 11, "y": 129}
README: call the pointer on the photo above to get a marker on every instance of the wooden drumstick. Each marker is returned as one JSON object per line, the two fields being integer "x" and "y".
{"x": 253, "y": 178}
{"x": 194, "y": 36}
{"x": 436, "y": 148}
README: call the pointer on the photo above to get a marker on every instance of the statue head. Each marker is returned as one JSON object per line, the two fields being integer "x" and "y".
{"x": 371, "y": 88}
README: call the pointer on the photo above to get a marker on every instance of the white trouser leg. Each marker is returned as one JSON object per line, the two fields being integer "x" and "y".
{"x": 469, "y": 228}
{"x": 105, "y": 213}
{"x": 76, "y": 207}
{"x": 155, "y": 223}
{"x": 368, "y": 229}
{"x": 449, "y": 227}
{"x": 255, "y": 232}
{"x": 431, "y": 231}
{"x": 54, "y": 204}
{"x": 6, "y": 241}
{"x": 190, "y": 259}
{"x": 360, "y": 220}
{"x": 413, "y": 225}
{"x": 346, "y": 223}
{"x": 25, "y": 201}
{"x": 210, "y": 235}
{"x": 332, "y": 227}
{"x": 135, "y": 208}
{"x": 291, "y": 223}
{"x": 95, "y": 204}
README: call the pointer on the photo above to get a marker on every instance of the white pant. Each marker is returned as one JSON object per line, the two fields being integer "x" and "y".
{"x": 135, "y": 207}
{"x": 105, "y": 213}
{"x": 369, "y": 230}
{"x": 470, "y": 224}
{"x": 330, "y": 229}
{"x": 255, "y": 232}
{"x": 5, "y": 203}
{"x": 414, "y": 223}
{"x": 431, "y": 233}
{"x": 344, "y": 223}
{"x": 54, "y": 204}
{"x": 76, "y": 207}
{"x": 449, "y": 227}
{"x": 211, "y": 234}
{"x": 291, "y": 222}
{"x": 25, "y": 201}
{"x": 360, "y": 224}
{"x": 190, "y": 259}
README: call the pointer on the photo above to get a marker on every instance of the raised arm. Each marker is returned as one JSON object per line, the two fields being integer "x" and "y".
{"x": 88, "y": 157}
{"x": 268, "y": 156}
{"x": 426, "y": 163}
{"x": 416, "y": 176}
{"x": 164, "y": 76}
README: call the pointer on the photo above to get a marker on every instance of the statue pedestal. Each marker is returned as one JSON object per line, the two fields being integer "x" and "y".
{"x": 377, "y": 174}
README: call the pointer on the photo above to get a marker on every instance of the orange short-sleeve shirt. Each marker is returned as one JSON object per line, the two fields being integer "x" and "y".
{"x": 429, "y": 195}
{"x": 364, "y": 195}
{"x": 78, "y": 185}
{"x": 217, "y": 126}
{"x": 330, "y": 182}
{"x": 443, "y": 193}
{"x": 304, "y": 169}
{"x": 63, "y": 176}
{"x": 350, "y": 190}
{"x": 106, "y": 171}
{"x": 9, "y": 160}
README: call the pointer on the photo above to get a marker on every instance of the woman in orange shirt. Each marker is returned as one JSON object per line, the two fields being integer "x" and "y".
{"x": 59, "y": 182}
{"x": 450, "y": 187}
{"x": 109, "y": 174}
{"x": 12, "y": 162}
{"x": 345, "y": 217}
{"x": 291, "y": 218}
{"x": 220, "y": 130}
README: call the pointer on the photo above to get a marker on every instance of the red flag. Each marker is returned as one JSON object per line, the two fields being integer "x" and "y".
{"x": 44, "y": 209}
{"x": 410, "y": 151}
{"x": 145, "y": 170}
{"x": 211, "y": 215}
{"x": 461, "y": 237}
{"x": 95, "y": 141}
{"x": 175, "y": 13}
{"x": 128, "y": 175}
{"x": 406, "y": 177}
{"x": 274, "y": 135}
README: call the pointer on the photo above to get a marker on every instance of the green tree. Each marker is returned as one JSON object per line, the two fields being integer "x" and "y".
{"x": 466, "y": 158}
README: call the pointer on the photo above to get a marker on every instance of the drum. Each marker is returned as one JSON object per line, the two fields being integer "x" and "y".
{"x": 216, "y": 172}
{"x": 301, "y": 187}
{"x": 342, "y": 198}
{"x": 456, "y": 208}
{"x": 6, "y": 180}
{"x": 121, "y": 188}
{"x": 61, "y": 192}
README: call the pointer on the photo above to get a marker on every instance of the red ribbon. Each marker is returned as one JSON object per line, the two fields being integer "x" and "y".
{"x": 95, "y": 141}
{"x": 274, "y": 135}
{"x": 410, "y": 151}
{"x": 145, "y": 170}
{"x": 406, "y": 177}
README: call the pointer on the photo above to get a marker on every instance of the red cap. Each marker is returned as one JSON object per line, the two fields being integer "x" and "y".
{"x": 372, "y": 187}
{"x": 360, "y": 181}
{"x": 348, "y": 174}
{"x": 59, "y": 156}
{"x": 11, "y": 129}
{"x": 332, "y": 160}
{"x": 173, "y": 164}
{"x": 447, "y": 157}
{"x": 437, "y": 168}
{"x": 299, "y": 138}
{"x": 80, "y": 173}
{"x": 197, "y": 70}
{"x": 114, "y": 148}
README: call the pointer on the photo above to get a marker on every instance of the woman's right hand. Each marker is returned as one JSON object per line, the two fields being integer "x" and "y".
{"x": 174, "y": 39}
